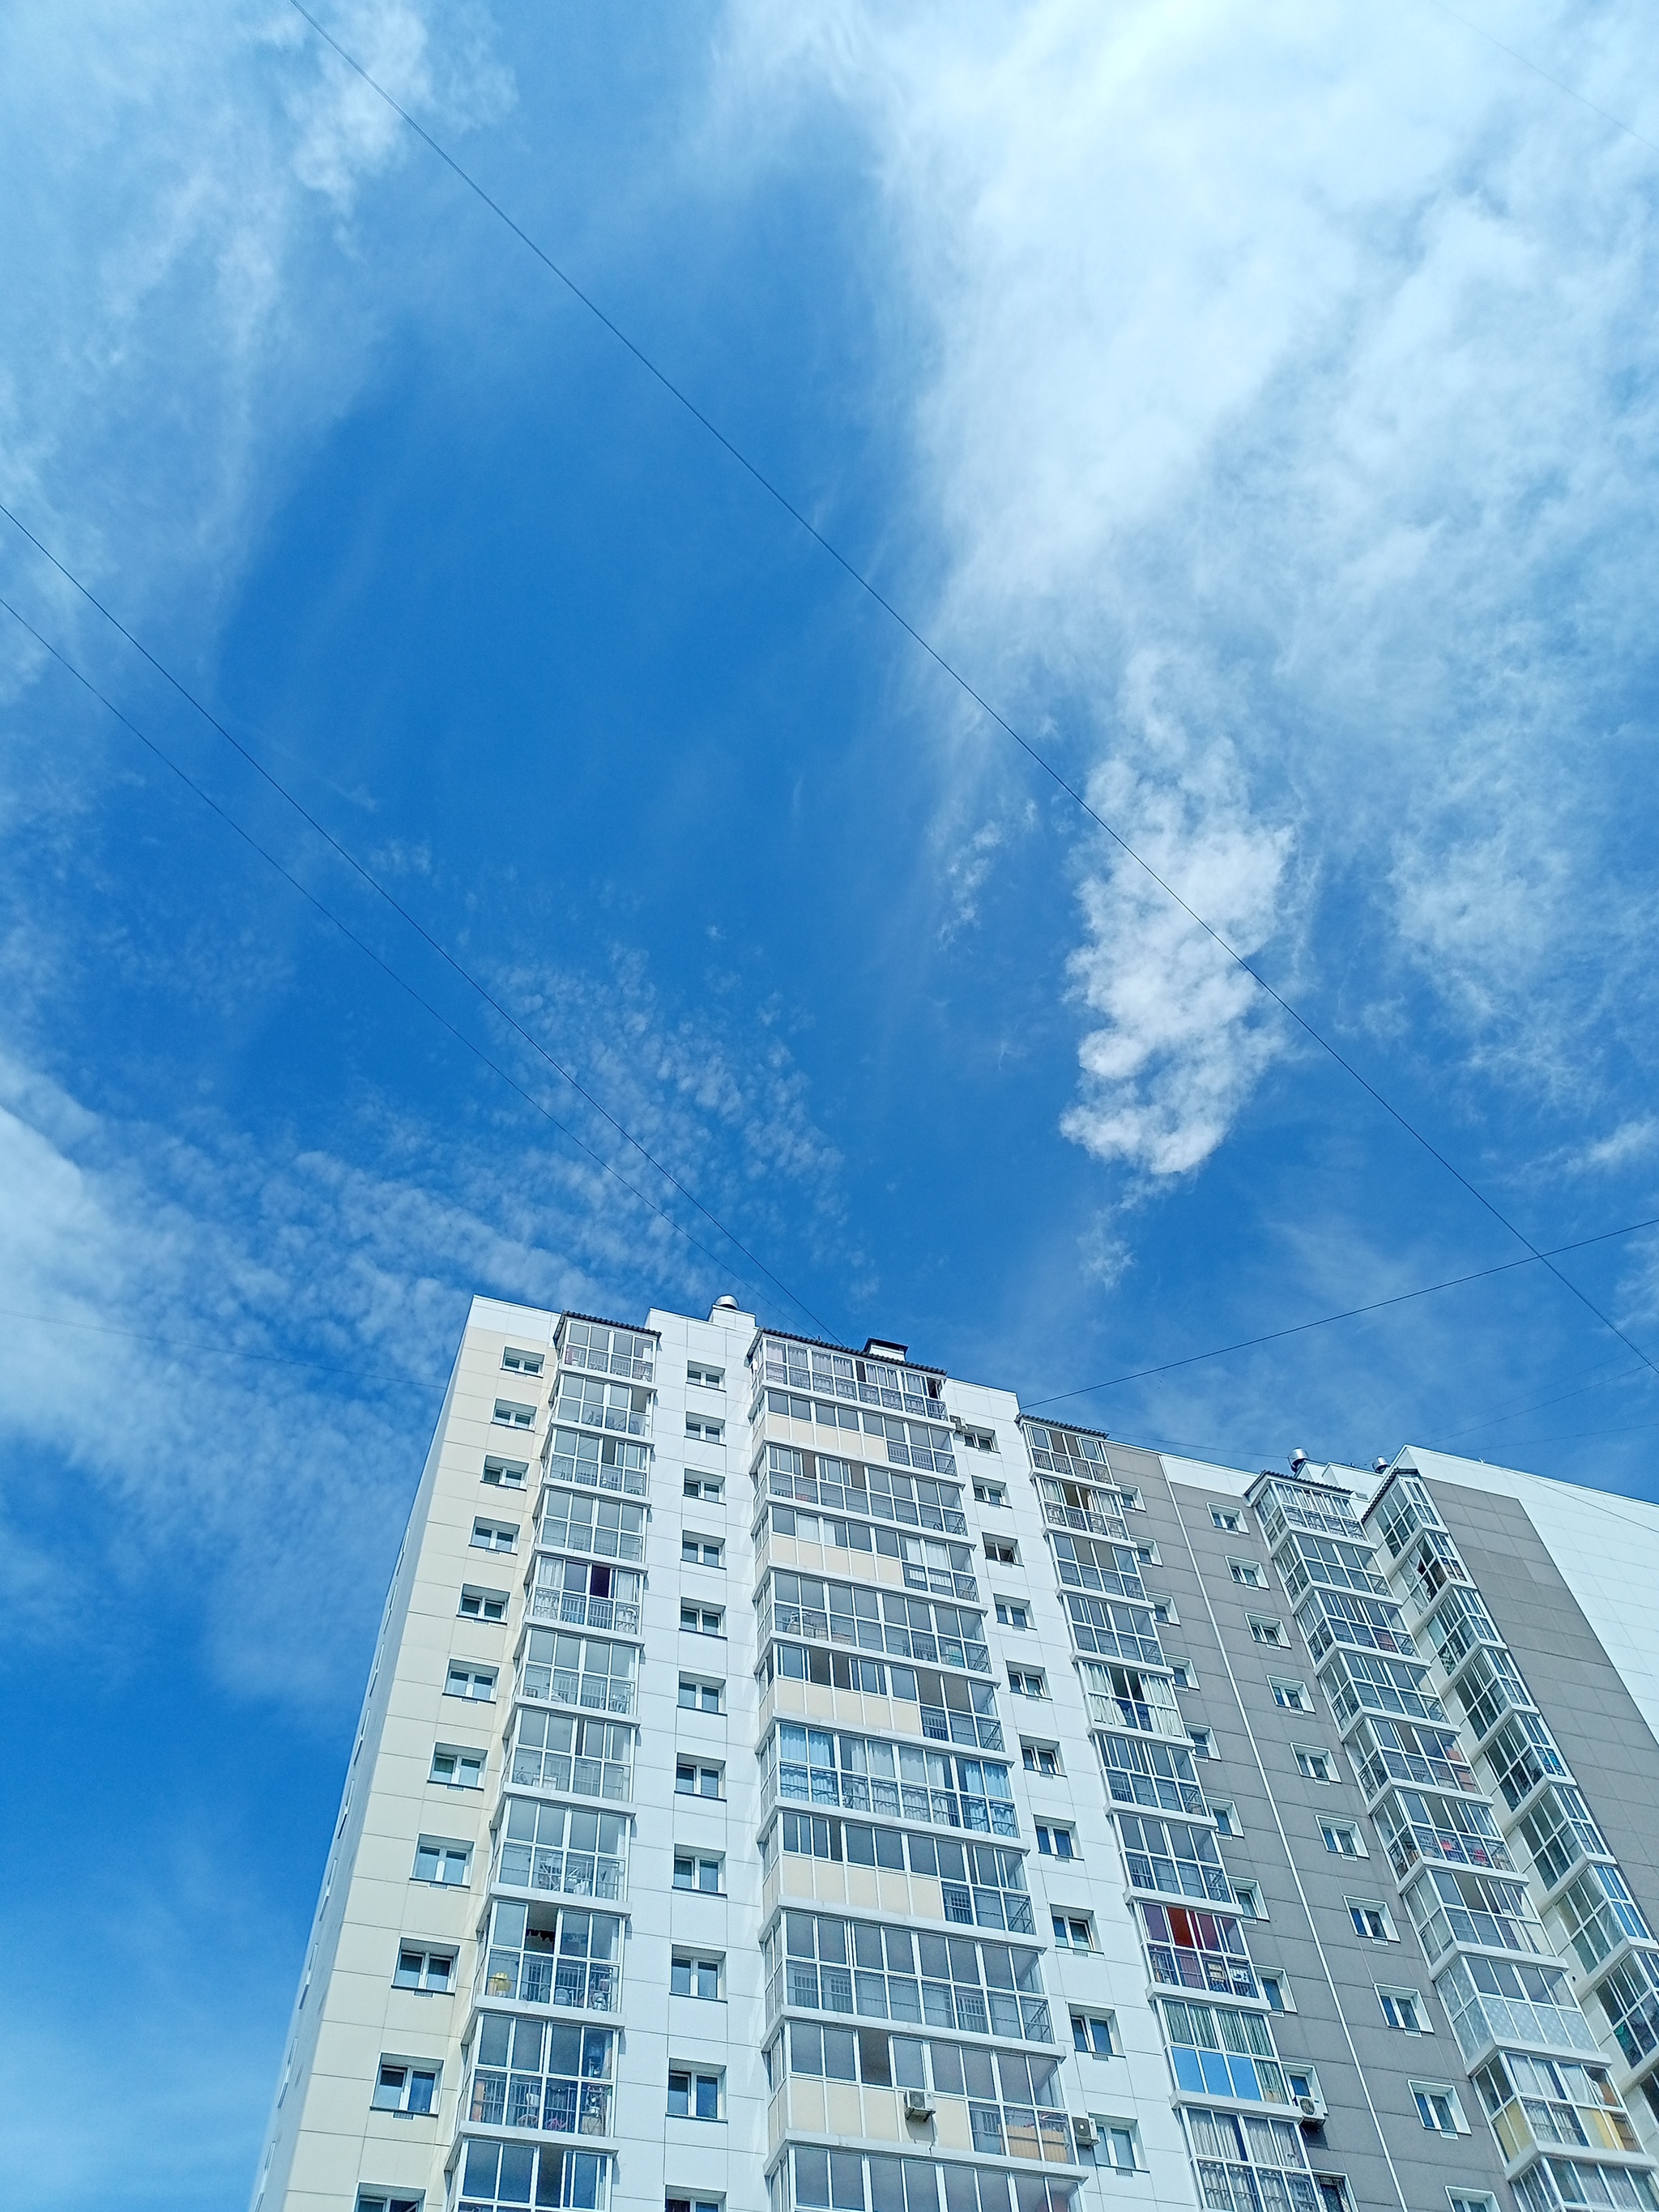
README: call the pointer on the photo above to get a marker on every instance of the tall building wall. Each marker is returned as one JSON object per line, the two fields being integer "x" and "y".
{"x": 789, "y": 1775}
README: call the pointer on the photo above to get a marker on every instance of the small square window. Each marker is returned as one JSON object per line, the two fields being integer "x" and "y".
{"x": 512, "y": 1415}
{"x": 705, "y": 1378}
{"x": 694, "y": 2204}
{"x": 482, "y": 1604}
{"x": 1277, "y": 1990}
{"x": 389, "y": 2200}
{"x": 1002, "y": 1550}
{"x": 495, "y": 1536}
{"x": 704, "y": 1429}
{"x": 1091, "y": 2035}
{"x": 990, "y": 1493}
{"x": 458, "y": 1770}
{"x": 693, "y": 2096}
{"x": 689, "y": 1976}
{"x": 506, "y": 1474}
{"x": 698, "y": 1697}
{"x": 1403, "y": 2008}
{"x": 699, "y": 1873}
{"x": 701, "y": 1552}
{"x": 523, "y": 1363}
{"x": 477, "y": 1683}
{"x": 1040, "y": 1758}
{"x": 709, "y": 1486}
{"x": 1073, "y": 1931}
{"x": 1250, "y": 1904}
{"x": 1462, "y": 2202}
{"x": 1117, "y": 2146}
{"x": 702, "y": 1620}
{"x": 408, "y": 2086}
{"x": 693, "y": 1780}
{"x": 1149, "y": 1555}
{"x": 1054, "y": 1841}
{"x": 447, "y": 1864}
{"x": 1291, "y": 1697}
{"x": 1164, "y": 1613}
{"x": 1314, "y": 1764}
{"x": 1343, "y": 1837}
{"x": 1011, "y": 1614}
{"x": 1371, "y": 1920}
{"x": 1437, "y": 2107}
{"x": 1229, "y": 1517}
{"x": 1027, "y": 1682}
{"x": 1247, "y": 1573}
{"x": 1202, "y": 1741}
{"x": 1183, "y": 1674}
{"x": 1270, "y": 1632}
{"x": 1226, "y": 1818}
{"x": 433, "y": 1972}
{"x": 983, "y": 1440}
{"x": 1131, "y": 1499}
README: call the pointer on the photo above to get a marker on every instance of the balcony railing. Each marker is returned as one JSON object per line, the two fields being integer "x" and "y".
{"x": 1382, "y": 1767}
{"x": 900, "y": 1801}
{"x": 526, "y": 1978}
{"x": 551, "y": 2105}
{"x": 1134, "y": 1713}
{"x": 1446, "y": 1847}
{"x": 873, "y": 1635}
{"x": 594, "y": 1694}
{"x": 1177, "y": 1968}
{"x": 565, "y": 1873}
{"x": 621, "y": 1614}
{"x": 1085, "y": 1523}
{"x": 1484, "y": 2023}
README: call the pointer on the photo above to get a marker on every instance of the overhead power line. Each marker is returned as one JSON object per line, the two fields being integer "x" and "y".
{"x": 857, "y": 575}
{"x": 386, "y": 966}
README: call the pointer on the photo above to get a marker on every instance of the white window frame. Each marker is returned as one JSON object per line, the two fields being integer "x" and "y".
{"x": 515, "y": 1362}
{"x": 715, "y": 1544}
{"x": 1390, "y": 1932}
{"x": 1012, "y": 1606}
{"x": 510, "y": 1415}
{"x": 474, "y": 1674}
{"x": 696, "y": 1484}
{"x": 700, "y": 1683}
{"x": 697, "y": 1861}
{"x": 704, "y": 1614}
{"x": 426, "y": 1953}
{"x": 1046, "y": 1833}
{"x": 1280, "y": 1981}
{"x": 1184, "y": 1674}
{"x": 1419, "y": 2090}
{"x": 502, "y": 1598}
{"x": 485, "y": 1532}
{"x": 697, "y": 1960}
{"x": 1164, "y": 1611}
{"x": 1018, "y": 1677}
{"x": 1031, "y": 1755}
{"x": 504, "y": 1473}
{"x": 468, "y": 1762}
{"x": 1310, "y": 1752}
{"x": 1089, "y": 2022}
{"x": 1068, "y": 1942}
{"x": 1272, "y": 1635}
{"x": 1389, "y": 1993}
{"x": 697, "y": 2071}
{"x": 1248, "y": 1574}
{"x": 703, "y": 1428}
{"x": 1225, "y": 1815}
{"x": 991, "y": 1493}
{"x": 1002, "y": 1551}
{"x": 704, "y": 1378}
{"x": 700, "y": 1769}
{"x": 1252, "y": 1905}
{"x": 444, "y": 1849}
{"x": 1149, "y": 1555}
{"x": 1298, "y": 1698}
{"x": 412, "y": 2070}
{"x": 1232, "y": 1520}
{"x": 1202, "y": 1742}
{"x": 1110, "y": 2132}
{"x": 1348, "y": 1833}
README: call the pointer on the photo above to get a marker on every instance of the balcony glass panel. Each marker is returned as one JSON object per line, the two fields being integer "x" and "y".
{"x": 562, "y": 1848}
{"x": 556, "y": 1955}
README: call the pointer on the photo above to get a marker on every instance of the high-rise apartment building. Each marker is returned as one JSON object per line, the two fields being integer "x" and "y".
{"x": 792, "y": 1780}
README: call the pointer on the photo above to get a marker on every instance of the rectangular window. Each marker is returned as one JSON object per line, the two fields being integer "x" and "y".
{"x": 407, "y": 2086}
{"x": 701, "y": 1552}
{"x": 1403, "y": 2008}
{"x": 1040, "y": 1758}
{"x": 689, "y": 1976}
{"x": 1314, "y": 1764}
{"x": 693, "y": 2096}
{"x": 1291, "y": 1697}
{"x": 506, "y": 1474}
{"x": 1270, "y": 1632}
{"x": 1277, "y": 1990}
{"x": 523, "y": 1363}
{"x": 1344, "y": 1838}
{"x": 702, "y": 1620}
{"x": 495, "y": 1536}
{"x": 990, "y": 1493}
{"x": 1027, "y": 1682}
{"x": 1056, "y": 1842}
{"x": 1437, "y": 2107}
{"x": 1091, "y": 2035}
{"x": 1202, "y": 1741}
{"x": 458, "y": 1770}
{"x": 1226, "y": 1818}
{"x": 1131, "y": 1500}
{"x": 1371, "y": 1920}
{"x": 384, "y": 2200}
{"x": 1229, "y": 1517}
{"x": 483, "y": 1604}
{"x": 1117, "y": 2146}
{"x": 694, "y": 2204}
{"x": 1002, "y": 1551}
{"x": 698, "y": 1697}
{"x": 691, "y": 1780}
{"x": 1183, "y": 1674}
{"x": 477, "y": 1683}
{"x": 1149, "y": 1555}
{"x": 513, "y": 1416}
{"x": 709, "y": 1486}
{"x": 1250, "y": 1903}
{"x": 698, "y": 1874}
{"x": 432, "y": 1972}
{"x": 1073, "y": 1931}
{"x": 447, "y": 1864}
{"x": 704, "y": 1430}
{"x": 1011, "y": 1614}
{"x": 1248, "y": 1573}
{"x": 705, "y": 1378}
{"x": 1164, "y": 1612}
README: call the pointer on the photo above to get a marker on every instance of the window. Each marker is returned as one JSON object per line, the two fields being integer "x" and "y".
{"x": 482, "y": 1604}
{"x": 703, "y": 1874}
{"x": 1056, "y": 1842}
{"x": 1277, "y": 1990}
{"x": 1039, "y": 1758}
{"x": 382, "y": 2200}
{"x": 1291, "y": 1697}
{"x": 1403, "y": 2008}
{"x": 1000, "y": 1548}
{"x": 430, "y": 1971}
{"x": 513, "y": 1416}
{"x": 1149, "y": 1555}
{"x": 458, "y": 1770}
{"x": 444, "y": 1864}
{"x": 506, "y": 1474}
{"x": 1010, "y": 1615}
{"x": 1117, "y": 2146}
{"x": 693, "y": 2096}
{"x": 1464, "y": 2204}
{"x": 1027, "y": 1682}
{"x": 709, "y": 1486}
{"x": 407, "y": 2087}
{"x": 978, "y": 1439}
{"x": 1202, "y": 1741}
{"x": 693, "y": 2204}
{"x": 1164, "y": 1612}
{"x": 476, "y": 1682}
{"x": 700, "y": 1552}
{"x": 1313, "y": 1765}
{"x": 1228, "y": 1518}
{"x": 495, "y": 1536}
{"x": 1250, "y": 1904}
{"x": 990, "y": 1493}
{"x": 698, "y": 1697}
{"x": 693, "y": 1977}
{"x": 1437, "y": 2108}
{"x": 1371, "y": 1920}
{"x": 705, "y": 1378}
{"x": 1091, "y": 2035}
{"x": 1344, "y": 1838}
{"x": 1073, "y": 1931}
{"x": 691, "y": 1780}
{"x": 523, "y": 1363}
{"x": 1248, "y": 1573}
{"x": 702, "y": 1620}
{"x": 1226, "y": 1818}
{"x": 1270, "y": 1632}
{"x": 704, "y": 1429}
{"x": 1183, "y": 1674}
{"x": 1131, "y": 1500}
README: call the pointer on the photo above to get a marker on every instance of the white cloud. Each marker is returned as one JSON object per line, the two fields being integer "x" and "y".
{"x": 1305, "y": 357}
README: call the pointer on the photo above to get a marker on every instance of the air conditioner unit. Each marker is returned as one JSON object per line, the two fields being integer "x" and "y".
{"x": 918, "y": 2104}
{"x": 1311, "y": 2111}
{"x": 1084, "y": 2129}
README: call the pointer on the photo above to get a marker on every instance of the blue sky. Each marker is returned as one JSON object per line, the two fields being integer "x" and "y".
{"x": 1257, "y": 404}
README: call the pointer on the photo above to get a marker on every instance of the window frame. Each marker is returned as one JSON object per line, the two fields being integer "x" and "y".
{"x": 1247, "y": 1574}
{"x": 1389, "y": 1993}
{"x": 1229, "y": 1519}
{"x": 1348, "y": 1832}
{"x": 1018, "y": 1677}
{"x": 513, "y": 1362}
{"x": 701, "y": 1685}
{"x": 444, "y": 1849}
{"x": 1270, "y": 1634}
{"x": 1089, "y": 2045}
{"x": 1061, "y": 1917}
{"x": 1046, "y": 1831}
{"x": 696, "y": 1964}
{"x": 1276, "y": 1978}
{"x": 700, "y": 1378}
{"x": 1291, "y": 1697}
{"x": 425, "y": 1952}
{"x": 412, "y": 2070}
{"x": 492, "y": 1529}
{"x": 700, "y": 1769}
{"x": 1005, "y": 1608}
{"x": 709, "y": 1489}
{"x": 499, "y": 1474}
{"x": 484, "y": 1597}
{"x": 698, "y": 1862}
{"x": 1422, "y": 2092}
{"x": 473, "y": 1674}
{"x": 1312, "y": 1751}
{"x": 702, "y": 1544}
{"x": 703, "y": 1615}
{"x": 1252, "y": 1905}
{"x": 695, "y": 2075}
{"x": 464, "y": 1756}
{"x": 509, "y": 1413}
{"x": 1355, "y": 1905}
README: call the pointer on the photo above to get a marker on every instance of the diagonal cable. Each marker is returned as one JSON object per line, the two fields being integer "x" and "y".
{"x": 865, "y": 584}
